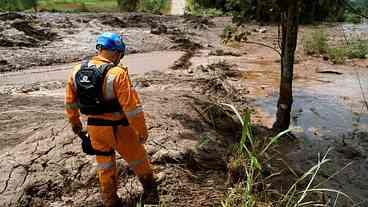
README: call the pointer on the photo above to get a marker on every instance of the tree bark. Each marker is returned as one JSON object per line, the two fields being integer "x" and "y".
{"x": 289, "y": 24}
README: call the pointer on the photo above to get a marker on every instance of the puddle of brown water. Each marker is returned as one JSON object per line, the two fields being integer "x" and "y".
{"x": 137, "y": 63}
{"x": 324, "y": 109}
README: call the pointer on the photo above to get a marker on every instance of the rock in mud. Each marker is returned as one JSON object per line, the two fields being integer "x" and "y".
{"x": 113, "y": 21}
{"x": 169, "y": 156}
{"x": 9, "y": 16}
{"x": 201, "y": 23}
{"x": 159, "y": 29}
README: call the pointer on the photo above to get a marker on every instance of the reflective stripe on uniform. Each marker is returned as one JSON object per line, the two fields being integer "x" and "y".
{"x": 109, "y": 87}
{"x": 71, "y": 106}
{"x": 118, "y": 113}
{"x": 135, "y": 163}
{"x": 105, "y": 166}
{"x": 135, "y": 112}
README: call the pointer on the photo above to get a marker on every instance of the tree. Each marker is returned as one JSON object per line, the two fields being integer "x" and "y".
{"x": 289, "y": 30}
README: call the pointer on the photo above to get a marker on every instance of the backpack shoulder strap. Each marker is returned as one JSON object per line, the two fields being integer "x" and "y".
{"x": 84, "y": 63}
{"x": 104, "y": 68}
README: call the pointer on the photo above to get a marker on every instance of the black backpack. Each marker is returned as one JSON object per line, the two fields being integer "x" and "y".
{"x": 89, "y": 84}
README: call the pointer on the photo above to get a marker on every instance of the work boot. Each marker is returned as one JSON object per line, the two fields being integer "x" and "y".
{"x": 115, "y": 201}
{"x": 119, "y": 203}
{"x": 150, "y": 191}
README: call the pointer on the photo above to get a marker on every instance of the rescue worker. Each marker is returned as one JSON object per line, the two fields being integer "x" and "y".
{"x": 101, "y": 89}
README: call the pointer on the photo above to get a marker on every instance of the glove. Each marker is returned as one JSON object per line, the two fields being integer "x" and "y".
{"x": 77, "y": 128}
{"x": 86, "y": 143}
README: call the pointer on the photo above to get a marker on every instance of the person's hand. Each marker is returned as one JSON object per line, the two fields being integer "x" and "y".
{"x": 77, "y": 128}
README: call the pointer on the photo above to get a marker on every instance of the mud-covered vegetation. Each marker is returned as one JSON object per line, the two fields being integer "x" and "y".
{"x": 317, "y": 42}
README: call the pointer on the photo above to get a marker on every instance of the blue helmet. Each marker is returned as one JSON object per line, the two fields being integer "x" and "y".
{"x": 110, "y": 41}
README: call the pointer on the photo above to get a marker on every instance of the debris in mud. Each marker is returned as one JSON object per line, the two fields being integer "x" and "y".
{"x": 184, "y": 61}
{"x": 221, "y": 52}
{"x": 169, "y": 156}
{"x": 222, "y": 69}
{"x": 9, "y": 16}
{"x": 186, "y": 43}
{"x": 330, "y": 72}
{"x": 190, "y": 48}
{"x": 113, "y": 21}
{"x": 23, "y": 33}
{"x": 218, "y": 116}
{"x": 197, "y": 22}
{"x": 159, "y": 29}
{"x": 30, "y": 30}
{"x": 37, "y": 193}
{"x": 14, "y": 38}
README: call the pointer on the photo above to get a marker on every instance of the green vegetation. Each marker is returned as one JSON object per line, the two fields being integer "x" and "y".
{"x": 316, "y": 43}
{"x": 154, "y": 6}
{"x": 268, "y": 10}
{"x": 78, "y": 5}
{"x": 17, "y": 5}
{"x": 337, "y": 55}
{"x": 196, "y": 9}
{"x": 151, "y": 6}
{"x": 249, "y": 159}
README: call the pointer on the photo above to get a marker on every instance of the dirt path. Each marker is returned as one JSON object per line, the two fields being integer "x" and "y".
{"x": 178, "y": 7}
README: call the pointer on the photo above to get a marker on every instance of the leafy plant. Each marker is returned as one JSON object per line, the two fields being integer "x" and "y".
{"x": 17, "y": 5}
{"x": 250, "y": 155}
{"x": 357, "y": 49}
{"x": 154, "y": 6}
{"x": 315, "y": 42}
{"x": 337, "y": 55}
{"x": 251, "y": 152}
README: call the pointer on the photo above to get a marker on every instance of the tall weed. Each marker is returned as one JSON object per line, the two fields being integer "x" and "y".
{"x": 250, "y": 155}
{"x": 315, "y": 42}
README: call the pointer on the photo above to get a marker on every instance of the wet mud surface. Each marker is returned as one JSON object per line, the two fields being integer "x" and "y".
{"x": 181, "y": 69}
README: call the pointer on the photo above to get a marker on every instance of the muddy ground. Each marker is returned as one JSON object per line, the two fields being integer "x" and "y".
{"x": 180, "y": 68}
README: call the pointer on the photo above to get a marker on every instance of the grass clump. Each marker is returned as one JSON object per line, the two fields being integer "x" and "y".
{"x": 315, "y": 42}
{"x": 77, "y": 5}
{"x": 254, "y": 189}
{"x": 337, "y": 55}
{"x": 195, "y": 9}
{"x": 357, "y": 49}
{"x": 155, "y": 6}
{"x": 353, "y": 49}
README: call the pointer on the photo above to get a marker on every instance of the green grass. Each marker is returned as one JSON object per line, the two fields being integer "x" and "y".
{"x": 78, "y": 5}
{"x": 251, "y": 155}
{"x": 315, "y": 42}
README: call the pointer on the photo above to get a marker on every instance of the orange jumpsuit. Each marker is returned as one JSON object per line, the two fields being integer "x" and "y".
{"x": 124, "y": 139}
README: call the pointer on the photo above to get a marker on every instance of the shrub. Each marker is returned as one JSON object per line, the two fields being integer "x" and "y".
{"x": 315, "y": 42}
{"x": 128, "y": 5}
{"x": 17, "y": 5}
{"x": 353, "y": 18}
{"x": 337, "y": 55}
{"x": 154, "y": 6}
{"x": 196, "y": 10}
{"x": 354, "y": 49}
{"x": 357, "y": 49}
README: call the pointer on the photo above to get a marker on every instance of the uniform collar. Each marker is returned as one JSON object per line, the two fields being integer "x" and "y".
{"x": 102, "y": 59}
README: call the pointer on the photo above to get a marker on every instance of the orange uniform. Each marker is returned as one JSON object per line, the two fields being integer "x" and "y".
{"x": 126, "y": 139}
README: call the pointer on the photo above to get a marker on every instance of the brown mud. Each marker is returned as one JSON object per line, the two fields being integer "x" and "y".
{"x": 41, "y": 160}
